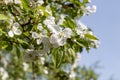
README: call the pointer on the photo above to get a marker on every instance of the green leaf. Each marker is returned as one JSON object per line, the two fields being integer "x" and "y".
{"x": 43, "y": 9}
{"x": 57, "y": 57}
{"x": 60, "y": 58}
{"x": 92, "y": 37}
{"x": 85, "y": 1}
{"x": 22, "y": 41}
{"x": 6, "y": 46}
{"x": 18, "y": 51}
{"x": 25, "y": 5}
{"x": 54, "y": 56}
{"x": 80, "y": 44}
{"x": 69, "y": 22}
{"x": 85, "y": 43}
{"x": 72, "y": 54}
{"x": 3, "y": 17}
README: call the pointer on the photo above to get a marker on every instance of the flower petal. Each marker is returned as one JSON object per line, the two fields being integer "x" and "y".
{"x": 39, "y": 27}
{"x": 11, "y": 34}
{"x": 34, "y": 35}
{"x": 39, "y": 41}
{"x": 17, "y": 32}
{"x": 67, "y": 32}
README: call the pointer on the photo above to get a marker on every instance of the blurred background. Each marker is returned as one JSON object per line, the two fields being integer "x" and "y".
{"x": 106, "y": 25}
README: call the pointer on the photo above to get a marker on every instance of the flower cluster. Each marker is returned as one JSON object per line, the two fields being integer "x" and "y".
{"x": 37, "y": 29}
{"x": 53, "y": 31}
{"x": 15, "y": 30}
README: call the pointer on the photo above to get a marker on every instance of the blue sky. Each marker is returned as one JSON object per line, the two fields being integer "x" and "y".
{"x": 106, "y": 25}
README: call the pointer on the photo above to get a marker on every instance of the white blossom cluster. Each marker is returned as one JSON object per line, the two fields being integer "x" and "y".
{"x": 90, "y": 9}
{"x": 14, "y": 30}
{"x": 50, "y": 33}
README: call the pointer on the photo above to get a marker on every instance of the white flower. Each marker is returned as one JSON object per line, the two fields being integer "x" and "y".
{"x": 57, "y": 41}
{"x": 42, "y": 59}
{"x": 49, "y": 21}
{"x": 46, "y": 45}
{"x": 34, "y": 35}
{"x": 17, "y": 32}
{"x": 8, "y": 1}
{"x": 39, "y": 41}
{"x": 72, "y": 75}
{"x": 41, "y": 12}
{"x": 14, "y": 30}
{"x": 40, "y": 2}
{"x": 66, "y": 33}
{"x": 45, "y": 71}
{"x": 3, "y": 74}
{"x": 54, "y": 28}
{"x": 59, "y": 35}
{"x": 38, "y": 37}
{"x": 25, "y": 66}
{"x": 31, "y": 55}
{"x": 17, "y": 1}
{"x": 60, "y": 22}
{"x": 39, "y": 27}
{"x": 95, "y": 44}
{"x": 80, "y": 29}
{"x": 48, "y": 10}
{"x": 42, "y": 38}
{"x": 10, "y": 33}
{"x": 81, "y": 25}
{"x": 90, "y": 9}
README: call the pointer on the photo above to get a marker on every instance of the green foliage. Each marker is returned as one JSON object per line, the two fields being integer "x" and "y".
{"x": 3, "y": 17}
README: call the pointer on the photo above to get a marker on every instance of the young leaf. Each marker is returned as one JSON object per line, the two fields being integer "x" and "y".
{"x": 3, "y": 17}
{"x": 18, "y": 51}
{"x": 90, "y": 36}
{"x": 25, "y": 4}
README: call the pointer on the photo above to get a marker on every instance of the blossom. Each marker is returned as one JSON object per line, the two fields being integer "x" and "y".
{"x": 45, "y": 71}
{"x": 72, "y": 75}
{"x": 48, "y": 10}
{"x": 95, "y": 44}
{"x": 41, "y": 12}
{"x": 80, "y": 29}
{"x": 8, "y": 1}
{"x": 25, "y": 66}
{"x": 17, "y": 1}
{"x": 39, "y": 27}
{"x": 38, "y": 37}
{"x": 49, "y": 21}
{"x": 3, "y": 73}
{"x": 61, "y": 20}
{"x": 90, "y": 9}
{"x": 59, "y": 35}
{"x": 42, "y": 59}
{"x": 31, "y": 55}
{"x": 40, "y": 2}
{"x": 15, "y": 30}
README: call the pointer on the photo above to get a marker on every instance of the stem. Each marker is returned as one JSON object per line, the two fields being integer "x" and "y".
{"x": 33, "y": 71}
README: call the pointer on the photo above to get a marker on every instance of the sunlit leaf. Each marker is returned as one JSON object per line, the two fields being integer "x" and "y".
{"x": 3, "y": 17}
{"x": 91, "y": 36}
